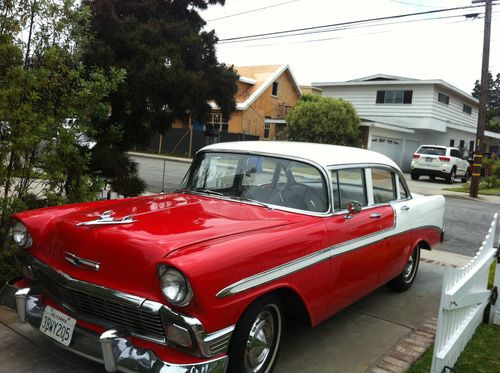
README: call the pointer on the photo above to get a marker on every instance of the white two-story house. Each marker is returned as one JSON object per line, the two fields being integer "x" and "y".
{"x": 400, "y": 114}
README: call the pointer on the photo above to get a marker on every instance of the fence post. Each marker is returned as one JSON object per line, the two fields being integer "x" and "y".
{"x": 495, "y": 303}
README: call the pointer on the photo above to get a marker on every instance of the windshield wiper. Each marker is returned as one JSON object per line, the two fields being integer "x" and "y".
{"x": 208, "y": 191}
{"x": 249, "y": 200}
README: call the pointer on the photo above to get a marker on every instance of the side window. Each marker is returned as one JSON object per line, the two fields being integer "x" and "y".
{"x": 384, "y": 188}
{"x": 403, "y": 192}
{"x": 455, "y": 153}
{"x": 350, "y": 186}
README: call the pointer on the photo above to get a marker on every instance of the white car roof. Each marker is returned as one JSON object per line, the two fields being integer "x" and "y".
{"x": 322, "y": 154}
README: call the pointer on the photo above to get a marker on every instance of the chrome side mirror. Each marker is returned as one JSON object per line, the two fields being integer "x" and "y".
{"x": 353, "y": 207}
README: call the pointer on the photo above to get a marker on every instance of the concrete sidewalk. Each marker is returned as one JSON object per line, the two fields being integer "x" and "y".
{"x": 358, "y": 339}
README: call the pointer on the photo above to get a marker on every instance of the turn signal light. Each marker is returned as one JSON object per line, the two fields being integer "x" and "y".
{"x": 444, "y": 159}
{"x": 416, "y": 156}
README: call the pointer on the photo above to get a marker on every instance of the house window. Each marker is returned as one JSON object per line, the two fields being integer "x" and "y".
{"x": 471, "y": 146}
{"x": 462, "y": 144}
{"x": 216, "y": 120}
{"x": 445, "y": 99}
{"x": 394, "y": 97}
{"x": 275, "y": 89}
{"x": 267, "y": 130}
{"x": 467, "y": 109}
{"x": 452, "y": 142}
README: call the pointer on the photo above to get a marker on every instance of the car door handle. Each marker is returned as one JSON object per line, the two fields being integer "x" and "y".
{"x": 375, "y": 215}
{"x": 405, "y": 208}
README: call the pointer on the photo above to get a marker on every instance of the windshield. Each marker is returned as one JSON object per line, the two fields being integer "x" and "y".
{"x": 269, "y": 180}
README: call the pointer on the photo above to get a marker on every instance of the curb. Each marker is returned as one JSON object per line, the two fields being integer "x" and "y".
{"x": 159, "y": 156}
{"x": 408, "y": 350}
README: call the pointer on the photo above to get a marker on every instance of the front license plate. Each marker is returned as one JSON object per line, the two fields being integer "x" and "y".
{"x": 428, "y": 159}
{"x": 57, "y": 325}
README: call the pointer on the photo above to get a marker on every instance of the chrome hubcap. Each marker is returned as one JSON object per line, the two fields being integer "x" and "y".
{"x": 260, "y": 341}
{"x": 409, "y": 267}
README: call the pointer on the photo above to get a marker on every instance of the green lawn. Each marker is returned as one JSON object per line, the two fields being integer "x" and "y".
{"x": 481, "y": 355}
{"x": 487, "y": 192}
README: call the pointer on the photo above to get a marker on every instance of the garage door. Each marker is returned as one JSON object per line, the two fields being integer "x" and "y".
{"x": 410, "y": 148}
{"x": 388, "y": 146}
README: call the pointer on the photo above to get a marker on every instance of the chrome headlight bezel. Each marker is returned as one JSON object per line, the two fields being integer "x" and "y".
{"x": 174, "y": 286}
{"x": 20, "y": 234}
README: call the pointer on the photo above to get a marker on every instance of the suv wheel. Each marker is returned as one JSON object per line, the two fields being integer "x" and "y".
{"x": 465, "y": 178}
{"x": 414, "y": 176}
{"x": 451, "y": 177}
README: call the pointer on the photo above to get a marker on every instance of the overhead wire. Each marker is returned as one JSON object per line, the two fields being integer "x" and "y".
{"x": 251, "y": 11}
{"x": 355, "y": 27}
{"x": 336, "y": 26}
{"x": 349, "y": 27}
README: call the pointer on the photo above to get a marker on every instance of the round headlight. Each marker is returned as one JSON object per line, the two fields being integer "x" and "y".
{"x": 174, "y": 286}
{"x": 20, "y": 234}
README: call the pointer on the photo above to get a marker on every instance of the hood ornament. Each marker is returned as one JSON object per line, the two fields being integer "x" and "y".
{"x": 106, "y": 218}
{"x": 81, "y": 263}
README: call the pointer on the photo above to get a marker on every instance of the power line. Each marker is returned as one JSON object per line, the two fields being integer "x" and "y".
{"x": 347, "y": 27}
{"x": 250, "y": 11}
{"x": 414, "y": 4}
{"x": 315, "y": 29}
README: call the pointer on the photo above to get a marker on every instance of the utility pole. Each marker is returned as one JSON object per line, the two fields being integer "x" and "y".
{"x": 483, "y": 98}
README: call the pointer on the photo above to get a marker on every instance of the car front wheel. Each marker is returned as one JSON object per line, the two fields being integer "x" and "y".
{"x": 405, "y": 279}
{"x": 256, "y": 339}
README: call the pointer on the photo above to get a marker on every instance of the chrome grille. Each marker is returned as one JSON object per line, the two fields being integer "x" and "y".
{"x": 103, "y": 311}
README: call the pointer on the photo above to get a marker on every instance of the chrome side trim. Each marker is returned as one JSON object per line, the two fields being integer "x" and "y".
{"x": 302, "y": 263}
{"x": 81, "y": 263}
{"x": 308, "y": 261}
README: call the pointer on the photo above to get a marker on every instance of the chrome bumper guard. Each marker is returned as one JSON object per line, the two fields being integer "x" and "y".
{"x": 113, "y": 348}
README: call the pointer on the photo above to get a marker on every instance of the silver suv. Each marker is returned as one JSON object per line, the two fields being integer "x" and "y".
{"x": 439, "y": 161}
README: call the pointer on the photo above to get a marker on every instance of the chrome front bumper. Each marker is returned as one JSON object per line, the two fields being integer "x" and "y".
{"x": 113, "y": 348}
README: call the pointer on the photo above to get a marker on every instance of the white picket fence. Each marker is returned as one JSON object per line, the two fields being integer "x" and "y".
{"x": 464, "y": 297}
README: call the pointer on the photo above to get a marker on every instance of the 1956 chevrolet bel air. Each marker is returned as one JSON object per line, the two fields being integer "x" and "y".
{"x": 203, "y": 279}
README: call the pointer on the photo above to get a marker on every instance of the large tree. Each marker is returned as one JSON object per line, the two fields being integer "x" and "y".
{"x": 493, "y": 104}
{"x": 172, "y": 69}
{"x": 42, "y": 84}
{"x": 323, "y": 120}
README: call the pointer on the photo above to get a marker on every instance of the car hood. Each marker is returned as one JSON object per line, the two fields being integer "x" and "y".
{"x": 128, "y": 254}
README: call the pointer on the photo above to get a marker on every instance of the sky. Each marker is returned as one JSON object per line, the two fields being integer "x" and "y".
{"x": 449, "y": 48}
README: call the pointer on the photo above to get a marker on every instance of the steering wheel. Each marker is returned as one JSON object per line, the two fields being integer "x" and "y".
{"x": 302, "y": 197}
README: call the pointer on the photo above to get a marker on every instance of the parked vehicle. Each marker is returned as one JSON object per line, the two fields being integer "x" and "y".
{"x": 439, "y": 161}
{"x": 203, "y": 279}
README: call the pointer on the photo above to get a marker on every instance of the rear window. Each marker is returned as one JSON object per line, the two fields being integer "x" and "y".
{"x": 431, "y": 150}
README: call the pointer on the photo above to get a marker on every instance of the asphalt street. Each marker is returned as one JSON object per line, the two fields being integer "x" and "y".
{"x": 466, "y": 221}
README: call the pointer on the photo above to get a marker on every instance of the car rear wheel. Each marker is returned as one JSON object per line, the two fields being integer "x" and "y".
{"x": 405, "y": 279}
{"x": 414, "y": 176}
{"x": 256, "y": 339}
{"x": 465, "y": 178}
{"x": 451, "y": 176}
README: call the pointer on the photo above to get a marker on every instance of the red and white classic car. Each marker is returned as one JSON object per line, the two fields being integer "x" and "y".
{"x": 203, "y": 279}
